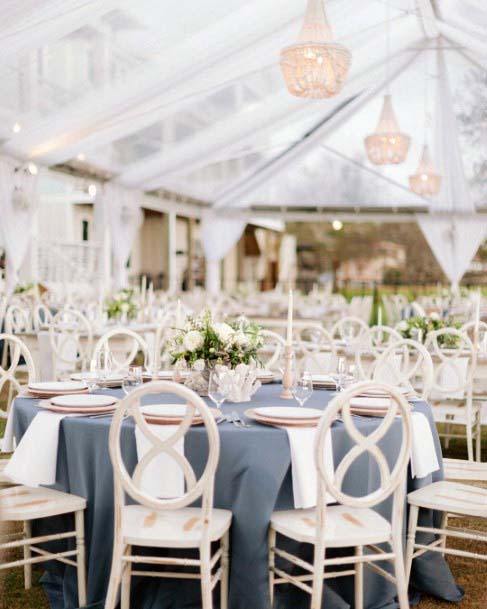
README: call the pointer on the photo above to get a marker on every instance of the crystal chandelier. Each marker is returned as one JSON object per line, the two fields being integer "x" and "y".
{"x": 315, "y": 67}
{"x": 425, "y": 181}
{"x": 387, "y": 145}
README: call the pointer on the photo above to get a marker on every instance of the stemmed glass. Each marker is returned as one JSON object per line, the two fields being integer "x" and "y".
{"x": 104, "y": 366}
{"x": 341, "y": 373}
{"x": 302, "y": 387}
{"x": 133, "y": 379}
{"x": 216, "y": 388}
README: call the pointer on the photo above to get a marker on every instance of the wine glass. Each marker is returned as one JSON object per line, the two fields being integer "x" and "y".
{"x": 341, "y": 374}
{"x": 104, "y": 366}
{"x": 302, "y": 387}
{"x": 216, "y": 388}
{"x": 132, "y": 380}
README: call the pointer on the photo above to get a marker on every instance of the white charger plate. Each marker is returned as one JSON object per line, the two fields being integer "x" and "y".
{"x": 288, "y": 412}
{"x": 83, "y": 400}
{"x": 82, "y": 376}
{"x": 166, "y": 410}
{"x": 58, "y": 386}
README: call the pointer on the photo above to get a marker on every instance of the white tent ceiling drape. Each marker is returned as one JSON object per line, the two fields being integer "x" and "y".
{"x": 190, "y": 98}
{"x": 18, "y": 204}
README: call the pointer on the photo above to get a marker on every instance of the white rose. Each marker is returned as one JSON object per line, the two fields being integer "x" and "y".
{"x": 241, "y": 339}
{"x": 199, "y": 365}
{"x": 193, "y": 340}
{"x": 223, "y": 331}
{"x": 402, "y": 326}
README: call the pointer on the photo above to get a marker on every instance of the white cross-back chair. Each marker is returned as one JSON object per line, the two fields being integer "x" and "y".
{"x": 17, "y": 320}
{"x": 124, "y": 345}
{"x": 349, "y": 329}
{"x": 70, "y": 341}
{"x": 373, "y": 344}
{"x": 271, "y": 352}
{"x": 41, "y": 317}
{"x": 353, "y": 523}
{"x": 17, "y": 350}
{"x": 167, "y": 522}
{"x": 452, "y": 498}
{"x": 316, "y": 349}
{"x": 406, "y": 363}
{"x": 160, "y": 356}
{"x": 452, "y": 390}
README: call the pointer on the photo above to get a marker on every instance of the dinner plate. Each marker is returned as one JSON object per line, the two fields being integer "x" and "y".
{"x": 110, "y": 378}
{"x": 86, "y": 400}
{"x": 281, "y": 421}
{"x": 375, "y": 402}
{"x": 57, "y": 386}
{"x": 166, "y": 410}
{"x": 78, "y": 410}
{"x": 157, "y": 417}
{"x": 288, "y": 412}
{"x": 166, "y": 374}
{"x": 323, "y": 378}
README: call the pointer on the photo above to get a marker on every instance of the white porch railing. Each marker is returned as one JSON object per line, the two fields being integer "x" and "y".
{"x": 68, "y": 262}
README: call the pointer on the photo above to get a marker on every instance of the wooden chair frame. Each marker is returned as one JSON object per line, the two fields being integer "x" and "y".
{"x": 79, "y": 334}
{"x": 310, "y": 350}
{"x": 138, "y": 344}
{"x": 15, "y": 349}
{"x": 130, "y": 484}
{"x": 392, "y": 483}
{"x": 359, "y": 329}
{"x": 273, "y": 339}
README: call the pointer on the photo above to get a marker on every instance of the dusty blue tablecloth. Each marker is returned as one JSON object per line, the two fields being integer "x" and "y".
{"x": 253, "y": 479}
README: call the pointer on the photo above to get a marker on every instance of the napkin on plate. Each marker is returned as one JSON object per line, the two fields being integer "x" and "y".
{"x": 302, "y": 445}
{"x": 162, "y": 477}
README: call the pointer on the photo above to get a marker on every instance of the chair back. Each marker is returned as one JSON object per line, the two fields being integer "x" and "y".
{"x": 131, "y": 483}
{"x": 17, "y": 319}
{"x": 392, "y": 479}
{"x": 71, "y": 340}
{"x": 41, "y": 317}
{"x": 124, "y": 345}
{"x": 406, "y": 363}
{"x": 454, "y": 359}
{"x": 373, "y": 344}
{"x": 16, "y": 349}
{"x": 316, "y": 349}
{"x": 349, "y": 329}
{"x": 271, "y": 352}
{"x": 469, "y": 329}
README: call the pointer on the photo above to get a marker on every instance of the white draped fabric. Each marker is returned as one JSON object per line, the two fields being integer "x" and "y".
{"x": 454, "y": 240}
{"x": 124, "y": 217}
{"x": 18, "y": 203}
{"x": 219, "y": 233}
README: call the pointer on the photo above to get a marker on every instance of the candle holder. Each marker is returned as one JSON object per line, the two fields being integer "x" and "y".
{"x": 287, "y": 376}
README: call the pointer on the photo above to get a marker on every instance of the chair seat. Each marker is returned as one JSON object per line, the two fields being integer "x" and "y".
{"x": 170, "y": 529}
{"x": 344, "y": 526}
{"x": 453, "y": 497}
{"x": 25, "y": 503}
{"x": 3, "y": 477}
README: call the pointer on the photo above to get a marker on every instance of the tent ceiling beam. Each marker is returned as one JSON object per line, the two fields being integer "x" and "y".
{"x": 458, "y": 36}
{"x": 427, "y": 18}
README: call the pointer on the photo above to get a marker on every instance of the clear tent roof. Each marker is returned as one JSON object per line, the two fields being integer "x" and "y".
{"x": 189, "y": 97}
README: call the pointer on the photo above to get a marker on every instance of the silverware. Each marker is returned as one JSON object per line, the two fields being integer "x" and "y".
{"x": 239, "y": 422}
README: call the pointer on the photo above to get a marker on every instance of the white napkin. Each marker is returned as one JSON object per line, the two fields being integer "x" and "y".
{"x": 162, "y": 477}
{"x": 34, "y": 460}
{"x": 424, "y": 460}
{"x": 302, "y": 445}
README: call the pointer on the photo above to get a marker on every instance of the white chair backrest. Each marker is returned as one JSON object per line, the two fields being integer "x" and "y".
{"x": 270, "y": 354}
{"x": 453, "y": 357}
{"x": 41, "y": 316}
{"x": 316, "y": 349}
{"x": 163, "y": 333}
{"x": 469, "y": 329}
{"x": 71, "y": 340}
{"x": 124, "y": 345}
{"x": 392, "y": 480}
{"x": 15, "y": 350}
{"x": 351, "y": 329}
{"x": 406, "y": 363}
{"x": 131, "y": 483}
{"x": 17, "y": 319}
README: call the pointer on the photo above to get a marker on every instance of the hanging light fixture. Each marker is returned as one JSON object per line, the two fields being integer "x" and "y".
{"x": 387, "y": 145}
{"x": 425, "y": 182}
{"x": 315, "y": 67}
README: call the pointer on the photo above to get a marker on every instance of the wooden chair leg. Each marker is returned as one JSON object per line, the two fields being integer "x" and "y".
{"x": 272, "y": 561}
{"x": 478, "y": 435}
{"x": 115, "y": 577}
{"x": 359, "y": 580}
{"x": 225, "y": 544}
{"x": 126, "y": 577}
{"x": 413, "y": 523}
{"x": 469, "y": 440}
{"x": 81, "y": 567}
{"x": 400, "y": 572}
{"x": 27, "y": 555}
{"x": 206, "y": 592}
{"x": 443, "y": 525}
{"x": 319, "y": 560}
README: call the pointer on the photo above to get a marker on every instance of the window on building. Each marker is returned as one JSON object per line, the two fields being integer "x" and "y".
{"x": 85, "y": 230}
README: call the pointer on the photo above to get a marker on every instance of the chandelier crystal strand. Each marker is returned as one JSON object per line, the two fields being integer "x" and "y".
{"x": 425, "y": 182}
{"x": 387, "y": 145}
{"x": 315, "y": 67}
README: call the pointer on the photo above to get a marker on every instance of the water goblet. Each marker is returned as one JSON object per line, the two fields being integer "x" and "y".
{"x": 132, "y": 380}
{"x": 217, "y": 388}
{"x": 104, "y": 366}
{"x": 302, "y": 387}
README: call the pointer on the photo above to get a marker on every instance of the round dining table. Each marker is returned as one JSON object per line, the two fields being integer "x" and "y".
{"x": 253, "y": 478}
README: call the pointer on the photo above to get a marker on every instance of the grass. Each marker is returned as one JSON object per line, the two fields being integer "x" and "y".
{"x": 470, "y": 574}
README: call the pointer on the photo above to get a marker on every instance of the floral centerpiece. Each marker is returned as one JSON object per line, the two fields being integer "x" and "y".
{"x": 203, "y": 344}
{"x": 419, "y": 327}
{"x": 122, "y": 305}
